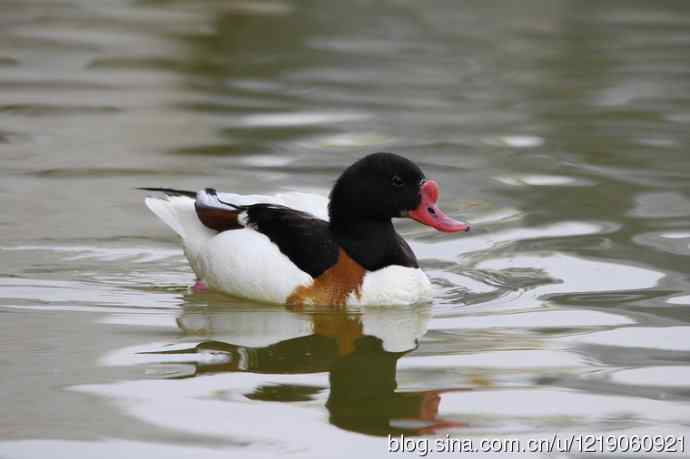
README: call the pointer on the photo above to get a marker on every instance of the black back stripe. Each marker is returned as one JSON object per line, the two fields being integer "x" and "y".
{"x": 304, "y": 239}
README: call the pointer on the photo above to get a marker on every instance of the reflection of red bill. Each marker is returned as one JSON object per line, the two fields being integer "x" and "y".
{"x": 429, "y": 213}
{"x": 428, "y": 412}
{"x": 440, "y": 425}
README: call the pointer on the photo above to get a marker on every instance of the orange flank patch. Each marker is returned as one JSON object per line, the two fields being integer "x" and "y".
{"x": 345, "y": 329}
{"x": 333, "y": 286}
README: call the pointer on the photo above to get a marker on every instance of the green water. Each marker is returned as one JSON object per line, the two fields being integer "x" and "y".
{"x": 559, "y": 129}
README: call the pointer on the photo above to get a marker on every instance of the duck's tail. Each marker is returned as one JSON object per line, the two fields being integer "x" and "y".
{"x": 176, "y": 209}
{"x": 171, "y": 192}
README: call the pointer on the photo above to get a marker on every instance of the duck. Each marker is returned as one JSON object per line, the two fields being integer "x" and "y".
{"x": 300, "y": 249}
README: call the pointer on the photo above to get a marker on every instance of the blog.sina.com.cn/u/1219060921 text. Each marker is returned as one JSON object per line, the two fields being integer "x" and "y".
{"x": 558, "y": 443}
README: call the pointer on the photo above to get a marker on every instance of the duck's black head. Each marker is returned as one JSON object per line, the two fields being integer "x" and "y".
{"x": 379, "y": 186}
{"x": 382, "y": 186}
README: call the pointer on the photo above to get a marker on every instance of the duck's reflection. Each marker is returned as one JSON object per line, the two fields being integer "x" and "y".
{"x": 363, "y": 394}
{"x": 359, "y": 351}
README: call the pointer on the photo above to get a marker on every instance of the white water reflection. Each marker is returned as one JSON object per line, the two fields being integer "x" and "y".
{"x": 518, "y": 141}
{"x": 351, "y": 140}
{"x": 653, "y": 376}
{"x": 684, "y": 300}
{"x": 112, "y": 448}
{"x": 523, "y": 359}
{"x": 198, "y": 406}
{"x": 571, "y": 274}
{"x": 661, "y": 205}
{"x": 532, "y": 320}
{"x": 673, "y": 242}
{"x": 582, "y": 407}
{"x": 452, "y": 249}
{"x": 105, "y": 254}
{"x": 543, "y": 180}
{"x": 53, "y": 292}
{"x": 531, "y": 280}
{"x": 299, "y": 119}
{"x": 667, "y": 338}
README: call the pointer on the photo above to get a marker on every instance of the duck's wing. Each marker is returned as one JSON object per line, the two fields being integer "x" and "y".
{"x": 286, "y": 220}
{"x": 314, "y": 204}
{"x": 303, "y": 237}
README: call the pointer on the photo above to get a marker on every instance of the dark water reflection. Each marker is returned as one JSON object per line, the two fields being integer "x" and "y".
{"x": 361, "y": 368}
{"x": 558, "y": 128}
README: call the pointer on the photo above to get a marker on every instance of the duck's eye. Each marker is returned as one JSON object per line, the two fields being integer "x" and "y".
{"x": 397, "y": 181}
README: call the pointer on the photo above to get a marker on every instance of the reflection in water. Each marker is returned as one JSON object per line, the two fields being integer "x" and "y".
{"x": 362, "y": 372}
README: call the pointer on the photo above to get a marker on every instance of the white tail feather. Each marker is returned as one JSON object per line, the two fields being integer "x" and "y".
{"x": 164, "y": 210}
{"x": 179, "y": 214}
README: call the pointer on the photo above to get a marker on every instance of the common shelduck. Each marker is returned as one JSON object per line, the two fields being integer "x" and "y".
{"x": 302, "y": 249}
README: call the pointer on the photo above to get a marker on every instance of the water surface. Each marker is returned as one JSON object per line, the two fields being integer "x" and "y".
{"x": 558, "y": 128}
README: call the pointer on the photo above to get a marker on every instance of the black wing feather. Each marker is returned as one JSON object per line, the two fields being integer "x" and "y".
{"x": 171, "y": 192}
{"x": 305, "y": 239}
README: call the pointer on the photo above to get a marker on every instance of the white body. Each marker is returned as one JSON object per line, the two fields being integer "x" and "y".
{"x": 245, "y": 263}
